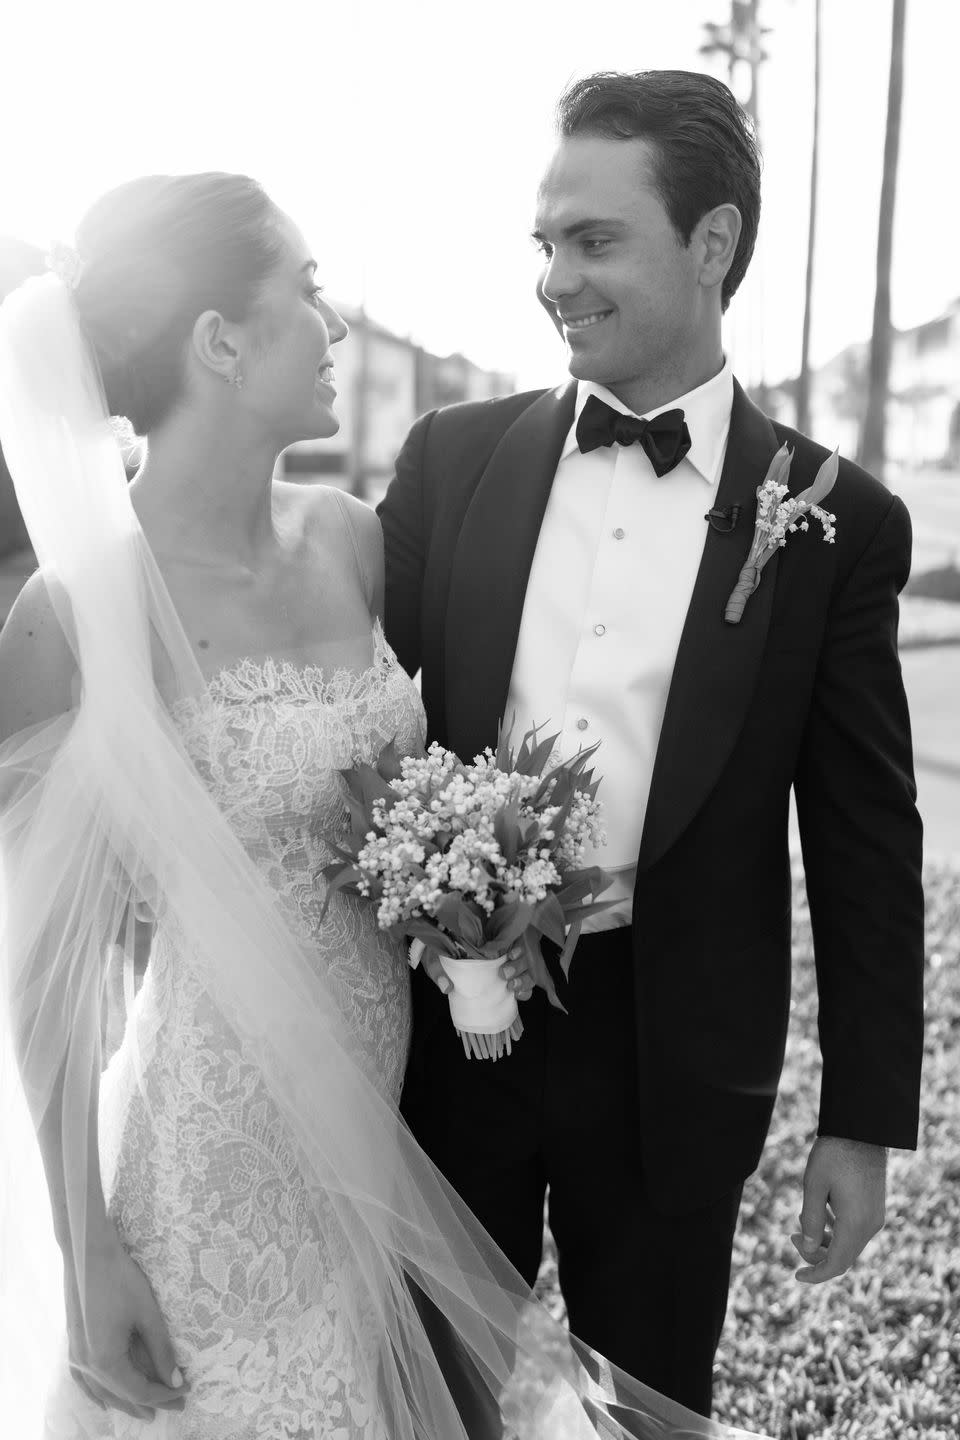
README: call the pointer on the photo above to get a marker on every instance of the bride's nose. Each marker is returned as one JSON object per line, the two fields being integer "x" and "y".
{"x": 338, "y": 327}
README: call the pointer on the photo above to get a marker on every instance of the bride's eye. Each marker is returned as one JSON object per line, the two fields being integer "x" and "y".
{"x": 314, "y": 296}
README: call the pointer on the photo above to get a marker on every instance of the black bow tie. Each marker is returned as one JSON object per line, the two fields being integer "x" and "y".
{"x": 665, "y": 438}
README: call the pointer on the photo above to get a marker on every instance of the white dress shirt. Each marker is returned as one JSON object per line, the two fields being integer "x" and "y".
{"x": 609, "y": 589}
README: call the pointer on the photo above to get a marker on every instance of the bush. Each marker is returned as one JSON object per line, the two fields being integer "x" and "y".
{"x": 876, "y": 1354}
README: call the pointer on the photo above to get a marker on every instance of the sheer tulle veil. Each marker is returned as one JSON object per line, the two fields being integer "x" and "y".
{"x": 100, "y": 807}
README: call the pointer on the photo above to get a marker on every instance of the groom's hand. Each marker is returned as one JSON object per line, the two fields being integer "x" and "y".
{"x": 844, "y": 1204}
{"x": 515, "y": 970}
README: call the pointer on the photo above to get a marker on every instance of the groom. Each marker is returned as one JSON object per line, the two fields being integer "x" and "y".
{"x": 554, "y": 555}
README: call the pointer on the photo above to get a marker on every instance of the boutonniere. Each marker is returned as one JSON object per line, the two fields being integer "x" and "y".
{"x": 779, "y": 514}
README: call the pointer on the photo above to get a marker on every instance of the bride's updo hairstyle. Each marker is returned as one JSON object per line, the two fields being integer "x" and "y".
{"x": 154, "y": 254}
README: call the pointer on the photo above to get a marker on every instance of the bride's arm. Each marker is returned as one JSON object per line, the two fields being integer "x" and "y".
{"x": 107, "y": 1296}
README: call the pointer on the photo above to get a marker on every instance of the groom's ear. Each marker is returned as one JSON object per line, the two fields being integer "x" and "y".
{"x": 717, "y": 236}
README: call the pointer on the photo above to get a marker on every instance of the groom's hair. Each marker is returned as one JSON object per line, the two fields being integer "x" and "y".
{"x": 705, "y": 145}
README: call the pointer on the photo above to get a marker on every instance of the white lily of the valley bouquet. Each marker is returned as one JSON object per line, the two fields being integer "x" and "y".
{"x": 474, "y": 861}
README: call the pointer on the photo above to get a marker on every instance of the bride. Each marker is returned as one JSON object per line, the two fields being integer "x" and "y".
{"x": 252, "y": 1243}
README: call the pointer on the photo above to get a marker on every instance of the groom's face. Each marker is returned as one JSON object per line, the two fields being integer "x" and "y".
{"x": 621, "y": 285}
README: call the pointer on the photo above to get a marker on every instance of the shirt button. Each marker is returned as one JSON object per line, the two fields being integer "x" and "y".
{"x": 599, "y": 629}
{"x": 618, "y": 534}
{"x": 582, "y": 724}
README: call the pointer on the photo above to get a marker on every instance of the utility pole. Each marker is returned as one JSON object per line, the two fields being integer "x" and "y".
{"x": 803, "y": 380}
{"x": 873, "y": 441}
{"x": 740, "y": 40}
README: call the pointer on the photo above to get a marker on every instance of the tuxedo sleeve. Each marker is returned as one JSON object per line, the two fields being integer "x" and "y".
{"x": 405, "y": 536}
{"x": 862, "y": 851}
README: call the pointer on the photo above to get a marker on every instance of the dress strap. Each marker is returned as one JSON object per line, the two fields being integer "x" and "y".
{"x": 352, "y": 532}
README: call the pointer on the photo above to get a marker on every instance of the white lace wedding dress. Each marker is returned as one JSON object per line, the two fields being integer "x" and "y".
{"x": 200, "y": 1178}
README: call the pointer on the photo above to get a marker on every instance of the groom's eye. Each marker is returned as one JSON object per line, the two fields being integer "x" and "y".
{"x": 596, "y": 244}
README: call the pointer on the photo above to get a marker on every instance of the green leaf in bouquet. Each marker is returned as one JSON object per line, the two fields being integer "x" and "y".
{"x": 367, "y": 785}
{"x": 508, "y": 922}
{"x": 448, "y": 912}
{"x": 504, "y": 755}
{"x": 431, "y": 935}
{"x": 549, "y": 919}
{"x": 570, "y": 945}
{"x": 537, "y": 967}
{"x": 576, "y": 888}
{"x": 506, "y": 828}
{"x": 529, "y": 829}
{"x": 470, "y": 923}
{"x": 344, "y": 853}
{"x": 534, "y": 754}
{"x": 559, "y": 821}
{"x": 596, "y": 877}
{"x": 593, "y": 907}
{"x": 344, "y": 877}
{"x": 388, "y": 762}
{"x": 576, "y": 763}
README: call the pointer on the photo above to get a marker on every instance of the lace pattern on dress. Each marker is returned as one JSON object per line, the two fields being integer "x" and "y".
{"x": 202, "y": 1179}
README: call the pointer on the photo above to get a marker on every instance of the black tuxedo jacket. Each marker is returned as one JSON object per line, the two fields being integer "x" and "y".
{"x": 805, "y": 691}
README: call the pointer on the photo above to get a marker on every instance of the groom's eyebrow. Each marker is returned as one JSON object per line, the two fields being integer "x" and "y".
{"x": 310, "y": 265}
{"x": 579, "y": 227}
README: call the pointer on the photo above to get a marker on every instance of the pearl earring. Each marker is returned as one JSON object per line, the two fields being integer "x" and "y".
{"x": 236, "y": 379}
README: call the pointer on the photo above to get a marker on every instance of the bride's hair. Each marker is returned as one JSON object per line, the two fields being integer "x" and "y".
{"x": 154, "y": 254}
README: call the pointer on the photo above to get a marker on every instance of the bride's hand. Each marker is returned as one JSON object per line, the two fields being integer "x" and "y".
{"x": 121, "y": 1354}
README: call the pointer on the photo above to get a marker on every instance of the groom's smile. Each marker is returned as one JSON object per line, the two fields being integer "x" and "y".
{"x": 582, "y": 322}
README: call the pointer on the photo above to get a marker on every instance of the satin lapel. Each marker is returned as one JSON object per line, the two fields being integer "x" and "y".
{"x": 717, "y": 664}
{"x": 491, "y": 567}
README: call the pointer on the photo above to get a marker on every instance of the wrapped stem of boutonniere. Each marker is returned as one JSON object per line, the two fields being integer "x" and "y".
{"x": 779, "y": 514}
{"x": 473, "y": 862}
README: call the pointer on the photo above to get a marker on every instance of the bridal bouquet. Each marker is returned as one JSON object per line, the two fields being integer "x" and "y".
{"x": 471, "y": 861}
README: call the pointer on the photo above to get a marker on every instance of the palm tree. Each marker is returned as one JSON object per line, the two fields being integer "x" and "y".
{"x": 873, "y": 438}
{"x": 803, "y": 382}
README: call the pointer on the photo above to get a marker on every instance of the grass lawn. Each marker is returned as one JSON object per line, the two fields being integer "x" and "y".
{"x": 876, "y": 1354}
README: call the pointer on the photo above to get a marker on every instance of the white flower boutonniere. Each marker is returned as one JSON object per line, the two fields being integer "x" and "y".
{"x": 779, "y": 515}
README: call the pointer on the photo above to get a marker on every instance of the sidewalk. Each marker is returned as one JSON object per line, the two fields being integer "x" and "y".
{"x": 932, "y": 678}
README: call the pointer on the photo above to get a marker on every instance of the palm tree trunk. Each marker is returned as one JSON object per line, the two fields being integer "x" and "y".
{"x": 803, "y": 381}
{"x": 873, "y": 439}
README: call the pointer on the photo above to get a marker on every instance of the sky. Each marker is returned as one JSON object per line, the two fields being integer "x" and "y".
{"x": 406, "y": 140}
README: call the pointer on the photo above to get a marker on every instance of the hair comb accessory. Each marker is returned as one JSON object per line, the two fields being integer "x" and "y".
{"x": 64, "y": 261}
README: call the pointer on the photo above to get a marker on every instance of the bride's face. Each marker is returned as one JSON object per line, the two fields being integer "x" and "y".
{"x": 287, "y": 367}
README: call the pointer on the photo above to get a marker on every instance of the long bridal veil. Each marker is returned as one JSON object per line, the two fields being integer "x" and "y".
{"x": 101, "y": 807}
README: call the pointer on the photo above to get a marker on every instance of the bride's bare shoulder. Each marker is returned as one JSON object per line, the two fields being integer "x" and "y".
{"x": 38, "y": 672}
{"x": 324, "y": 509}
{"x": 334, "y": 516}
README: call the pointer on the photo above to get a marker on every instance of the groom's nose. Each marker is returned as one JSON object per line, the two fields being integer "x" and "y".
{"x": 560, "y": 279}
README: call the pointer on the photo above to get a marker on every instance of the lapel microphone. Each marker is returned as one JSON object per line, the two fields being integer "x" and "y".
{"x": 723, "y": 521}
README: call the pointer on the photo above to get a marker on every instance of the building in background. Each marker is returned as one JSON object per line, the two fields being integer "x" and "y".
{"x": 923, "y": 418}
{"x": 384, "y": 382}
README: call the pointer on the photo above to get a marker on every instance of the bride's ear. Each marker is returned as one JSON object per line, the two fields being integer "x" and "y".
{"x": 215, "y": 344}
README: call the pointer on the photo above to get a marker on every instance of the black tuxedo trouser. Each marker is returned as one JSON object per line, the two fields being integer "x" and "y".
{"x": 647, "y": 1290}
